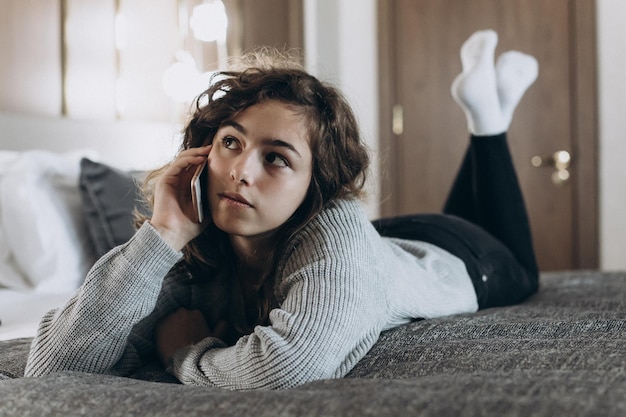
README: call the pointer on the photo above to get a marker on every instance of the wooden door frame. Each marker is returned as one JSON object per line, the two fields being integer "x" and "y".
{"x": 584, "y": 120}
{"x": 585, "y": 133}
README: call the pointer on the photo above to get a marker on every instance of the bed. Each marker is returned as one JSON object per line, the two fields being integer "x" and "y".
{"x": 561, "y": 352}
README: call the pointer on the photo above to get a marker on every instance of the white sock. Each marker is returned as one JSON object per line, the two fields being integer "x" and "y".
{"x": 475, "y": 89}
{"x": 516, "y": 72}
{"x": 488, "y": 94}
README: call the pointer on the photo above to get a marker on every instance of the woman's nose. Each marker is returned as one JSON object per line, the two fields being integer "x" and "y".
{"x": 244, "y": 170}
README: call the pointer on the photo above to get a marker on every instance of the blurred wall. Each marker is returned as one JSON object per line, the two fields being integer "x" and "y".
{"x": 612, "y": 125}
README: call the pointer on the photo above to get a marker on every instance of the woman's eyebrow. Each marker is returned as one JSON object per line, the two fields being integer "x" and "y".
{"x": 234, "y": 125}
{"x": 272, "y": 142}
{"x": 282, "y": 144}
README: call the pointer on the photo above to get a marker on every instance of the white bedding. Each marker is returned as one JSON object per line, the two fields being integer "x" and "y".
{"x": 45, "y": 250}
{"x": 44, "y": 246}
{"x": 21, "y": 311}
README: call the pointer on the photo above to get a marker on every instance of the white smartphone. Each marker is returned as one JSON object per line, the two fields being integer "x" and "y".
{"x": 199, "y": 184}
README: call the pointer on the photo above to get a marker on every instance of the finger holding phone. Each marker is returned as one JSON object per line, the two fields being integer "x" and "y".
{"x": 175, "y": 215}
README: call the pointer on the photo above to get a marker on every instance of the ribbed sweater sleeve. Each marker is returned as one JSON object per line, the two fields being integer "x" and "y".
{"x": 90, "y": 332}
{"x": 328, "y": 318}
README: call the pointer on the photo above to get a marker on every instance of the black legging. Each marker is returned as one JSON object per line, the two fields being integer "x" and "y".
{"x": 484, "y": 223}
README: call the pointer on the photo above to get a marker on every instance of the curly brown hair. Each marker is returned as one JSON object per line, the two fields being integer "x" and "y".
{"x": 340, "y": 159}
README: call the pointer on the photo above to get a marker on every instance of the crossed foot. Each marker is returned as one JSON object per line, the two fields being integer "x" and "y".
{"x": 488, "y": 94}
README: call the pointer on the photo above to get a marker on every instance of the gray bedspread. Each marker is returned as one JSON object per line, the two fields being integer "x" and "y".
{"x": 560, "y": 353}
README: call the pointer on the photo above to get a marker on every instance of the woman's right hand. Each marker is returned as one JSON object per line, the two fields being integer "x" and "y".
{"x": 173, "y": 213}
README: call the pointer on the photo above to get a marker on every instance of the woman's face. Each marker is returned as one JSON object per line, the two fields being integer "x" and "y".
{"x": 259, "y": 169}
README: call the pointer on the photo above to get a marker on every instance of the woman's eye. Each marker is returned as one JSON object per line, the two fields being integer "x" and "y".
{"x": 277, "y": 160}
{"x": 230, "y": 143}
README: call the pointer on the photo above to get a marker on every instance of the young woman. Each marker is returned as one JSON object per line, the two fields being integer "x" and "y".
{"x": 286, "y": 281}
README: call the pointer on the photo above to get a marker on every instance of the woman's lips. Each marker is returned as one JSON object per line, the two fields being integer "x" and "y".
{"x": 236, "y": 199}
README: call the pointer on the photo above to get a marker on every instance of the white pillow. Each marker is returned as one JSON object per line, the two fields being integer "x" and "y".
{"x": 41, "y": 215}
{"x": 10, "y": 273}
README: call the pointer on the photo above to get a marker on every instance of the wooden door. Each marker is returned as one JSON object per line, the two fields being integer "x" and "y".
{"x": 420, "y": 41}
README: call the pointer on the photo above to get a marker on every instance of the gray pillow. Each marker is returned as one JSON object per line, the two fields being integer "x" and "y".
{"x": 109, "y": 197}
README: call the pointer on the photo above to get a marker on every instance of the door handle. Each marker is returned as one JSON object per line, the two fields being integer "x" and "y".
{"x": 560, "y": 161}
{"x": 397, "y": 119}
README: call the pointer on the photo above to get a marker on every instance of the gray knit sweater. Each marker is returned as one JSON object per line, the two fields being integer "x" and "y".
{"x": 338, "y": 286}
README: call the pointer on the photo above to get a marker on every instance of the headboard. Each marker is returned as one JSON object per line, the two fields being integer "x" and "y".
{"x": 124, "y": 144}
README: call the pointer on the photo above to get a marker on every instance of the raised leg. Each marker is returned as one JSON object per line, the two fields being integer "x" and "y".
{"x": 486, "y": 190}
